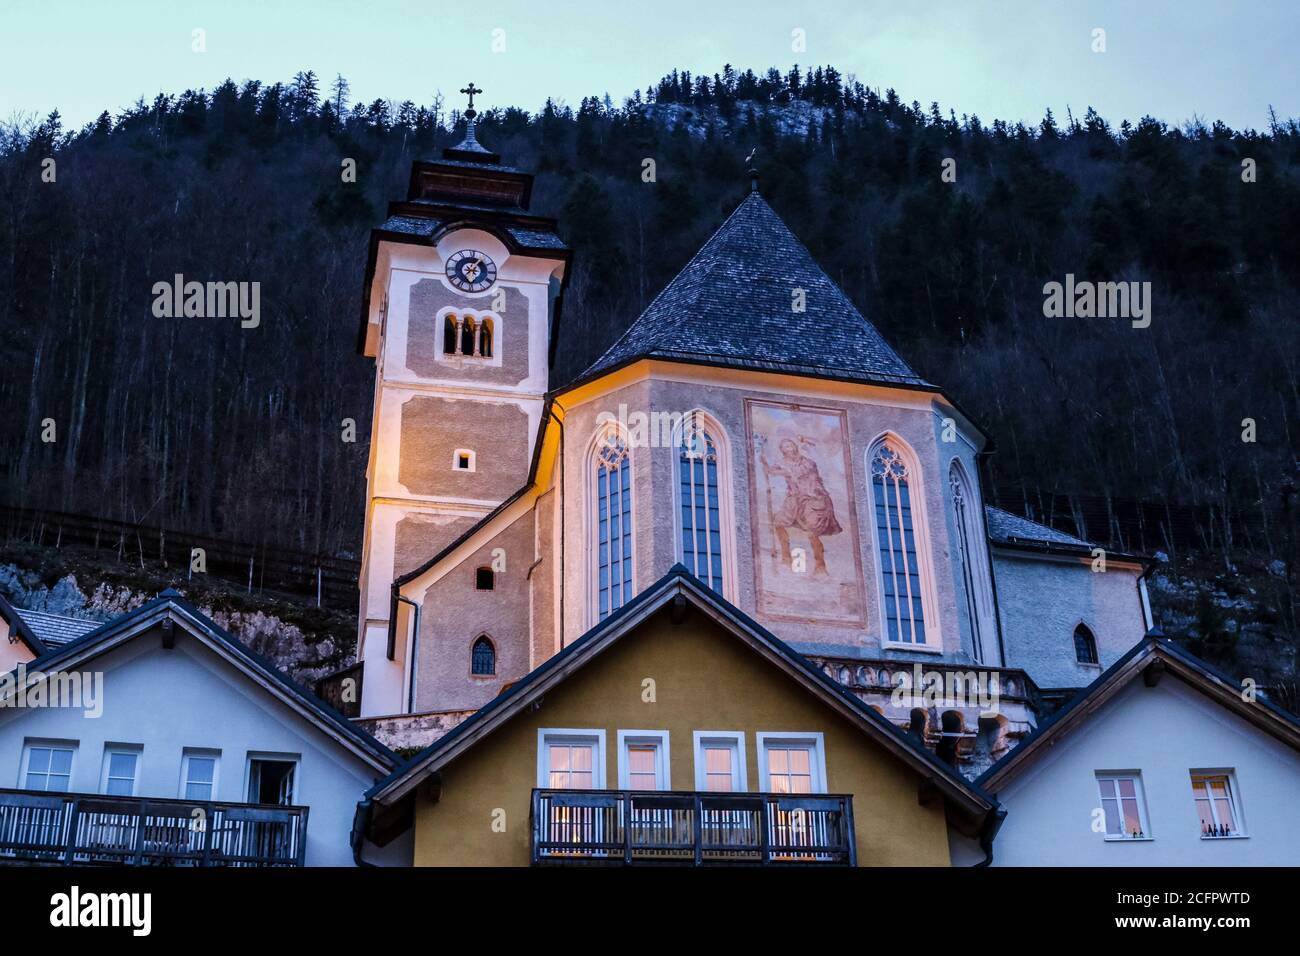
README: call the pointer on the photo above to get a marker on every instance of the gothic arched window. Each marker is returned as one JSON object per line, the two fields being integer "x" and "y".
{"x": 1085, "y": 645}
{"x": 483, "y": 658}
{"x": 449, "y": 335}
{"x": 701, "y": 525}
{"x": 973, "y": 567}
{"x": 613, "y": 524}
{"x": 900, "y": 566}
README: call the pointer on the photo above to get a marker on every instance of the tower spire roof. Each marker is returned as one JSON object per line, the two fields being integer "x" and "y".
{"x": 470, "y": 149}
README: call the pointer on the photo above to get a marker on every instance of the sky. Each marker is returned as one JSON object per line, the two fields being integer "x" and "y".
{"x": 1173, "y": 59}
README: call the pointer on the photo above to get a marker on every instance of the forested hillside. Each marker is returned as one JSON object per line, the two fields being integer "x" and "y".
{"x": 203, "y": 425}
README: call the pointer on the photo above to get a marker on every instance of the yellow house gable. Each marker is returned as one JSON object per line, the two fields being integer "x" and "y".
{"x": 678, "y": 678}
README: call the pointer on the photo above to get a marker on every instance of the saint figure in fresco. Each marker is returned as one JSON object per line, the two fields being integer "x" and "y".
{"x": 807, "y": 505}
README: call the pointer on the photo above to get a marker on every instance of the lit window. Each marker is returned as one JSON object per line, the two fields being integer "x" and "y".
{"x": 483, "y": 658}
{"x": 701, "y": 525}
{"x": 571, "y": 759}
{"x": 1216, "y": 805}
{"x": 198, "y": 775}
{"x": 643, "y": 760}
{"x": 119, "y": 772}
{"x": 613, "y": 524}
{"x": 719, "y": 762}
{"x": 1085, "y": 645}
{"x": 791, "y": 763}
{"x": 1122, "y": 802}
{"x": 900, "y": 566}
{"x": 48, "y": 768}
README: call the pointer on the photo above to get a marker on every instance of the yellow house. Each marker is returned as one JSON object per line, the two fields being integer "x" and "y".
{"x": 677, "y": 731}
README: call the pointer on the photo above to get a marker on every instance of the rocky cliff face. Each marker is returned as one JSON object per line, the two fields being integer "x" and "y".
{"x": 305, "y": 642}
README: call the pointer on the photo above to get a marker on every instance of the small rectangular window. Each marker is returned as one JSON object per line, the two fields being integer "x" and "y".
{"x": 48, "y": 767}
{"x": 1216, "y": 804}
{"x": 571, "y": 759}
{"x": 199, "y": 775}
{"x": 720, "y": 761}
{"x": 792, "y": 763}
{"x": 484, "y": 579}
{"x": 643, "y": 760}
{"x": 120, "y": 766}
{"x": 1123, "y": 804}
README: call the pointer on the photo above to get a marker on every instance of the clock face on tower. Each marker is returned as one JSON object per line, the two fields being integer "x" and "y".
{"x": 471, "y": 271}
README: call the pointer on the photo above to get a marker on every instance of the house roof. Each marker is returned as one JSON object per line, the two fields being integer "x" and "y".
{"x": 1151, "y": 658}
{"x": 55, "y": 630}
{"x": 732, "y": 305}
{"x": 680, "y": 585}
{"x": 20, "y": 629}
{"x": 1008, "y": 528}
{"x": 169, "y": 606}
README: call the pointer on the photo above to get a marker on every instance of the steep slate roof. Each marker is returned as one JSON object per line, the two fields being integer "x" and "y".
{"x": 20, "y": 629}
{"x": 680, "y": 584}
{"x": 1007, "y": 528}
{"x": 55, "y": 630}
{"x": 170, "y": 606}
{"x": 732, "y": 306}
{"x": 1151, "y": 657}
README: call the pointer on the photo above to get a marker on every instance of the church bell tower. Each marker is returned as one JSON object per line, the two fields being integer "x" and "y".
{"x": 462, "y": 292}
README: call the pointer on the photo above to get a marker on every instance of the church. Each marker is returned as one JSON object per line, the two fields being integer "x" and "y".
{"x": 751, "y": 426}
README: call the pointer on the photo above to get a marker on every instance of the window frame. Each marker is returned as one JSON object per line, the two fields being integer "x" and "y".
{"x": 201, "y": 753}
{"x": 663, "y": 757}
{"x": 930, "y": 621}
{"x": 1230, "y": 776}
{"x": 115, "y": 750}
{"x": 548, "y": 735}
{"x": 703, "y": 421}
{"x": 478, "y": 318}
{"x": 604, "y": 431}
{"x": 739, "y": 768}
{"x": 472, "y": 463}
{"x": 814, "y": 741}
{"x": 267, "y": 756}
{"x": 1140, "y": 797}
{"x": 51, "y": 744}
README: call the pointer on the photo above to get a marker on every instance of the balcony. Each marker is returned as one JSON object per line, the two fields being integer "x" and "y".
{"x": 84, "y": 829}
{"x": 628, "y": 828}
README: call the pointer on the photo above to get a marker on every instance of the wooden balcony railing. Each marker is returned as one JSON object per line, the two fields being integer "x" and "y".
{"x": 92, "y": 830}
{"x": 622, "y": 827}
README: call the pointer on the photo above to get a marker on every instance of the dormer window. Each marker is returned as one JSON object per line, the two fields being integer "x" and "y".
{"x": 463, "y": 459}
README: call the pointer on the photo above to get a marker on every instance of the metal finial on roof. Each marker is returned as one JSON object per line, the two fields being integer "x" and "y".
{"x": 752, "y": 170}
{"x": 470, "y": 143}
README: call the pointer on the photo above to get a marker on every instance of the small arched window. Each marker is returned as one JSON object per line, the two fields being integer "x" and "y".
{"x": 449, "y": 335}
{"x": 483, "y": 658}
{"x": 1085, "y": 645}
{"x": 467, "y": 336}
{"x": 485, "y": 338}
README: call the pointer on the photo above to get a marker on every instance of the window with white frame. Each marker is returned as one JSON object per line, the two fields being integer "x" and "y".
{"x": 720, "y": 761}
{"x": 612, "y": 523}
{"x": 1123, "y": 805}
{"x": 199, "y": 774}
{"x": 643, "y": 760}
{"x": 571, "y": 759}
{"x": 1216, "y": 804}
{"x": 48, "y": 766}
{"x": 899, "y": 554}
{"x": 791, "y": 763}
{"x": 700, "y": 541}
{"x": 121, "y": 765}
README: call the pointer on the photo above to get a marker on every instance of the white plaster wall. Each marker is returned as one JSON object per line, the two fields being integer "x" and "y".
{"x": 167, "y": 701}
{"x": 1165, "y": 732}
{"x": 1042, "y": 601}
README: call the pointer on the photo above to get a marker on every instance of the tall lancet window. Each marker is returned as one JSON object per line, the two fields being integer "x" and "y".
{"x": 613, "y": 487}
{"x": 973, "y": 568}
{"x": 900, "y": 568}
{"x": 697, "y": 480}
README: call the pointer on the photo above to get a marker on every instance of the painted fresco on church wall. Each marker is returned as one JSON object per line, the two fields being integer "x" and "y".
{"x": 807, "y": 566}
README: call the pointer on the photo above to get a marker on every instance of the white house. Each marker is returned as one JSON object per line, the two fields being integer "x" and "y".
{"x": 1161, "y": 761}
{"x": 159, "y": 738}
